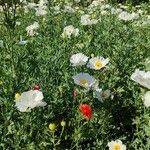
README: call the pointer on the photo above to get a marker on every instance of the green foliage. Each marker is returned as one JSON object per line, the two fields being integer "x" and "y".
{"x": 45, "y": 60}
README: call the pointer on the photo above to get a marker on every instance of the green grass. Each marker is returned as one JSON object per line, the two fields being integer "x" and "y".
{"x": 45, "y": 60}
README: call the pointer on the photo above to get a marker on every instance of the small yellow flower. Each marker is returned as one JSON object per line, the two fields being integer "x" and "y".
{"x": 17, "y": 96}
{"x": 52, "y": 126}
{"x": 63, "y": 123}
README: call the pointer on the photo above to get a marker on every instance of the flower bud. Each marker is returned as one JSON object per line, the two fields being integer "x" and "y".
{"x": 17, "y": 96}
{"x": 63, "y": 123}
{"x": 52, "y": 126}
{"x": 36, "y": 87}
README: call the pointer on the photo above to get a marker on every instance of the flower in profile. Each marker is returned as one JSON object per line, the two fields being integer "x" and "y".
{"x": 116, "y": 145}
{"x": 22, "y": 42}
{"x": 102, "y": 95}
{"x": 97, "y": 63}
{"x": 147, "y": 99}
{"x": 29, "y": 100}
{"x": 86, "y": 20}
{"x": 128, "y": 16}
{"x": 31, "y": 29}
{"x": 141, "y": 77}
{"x": 52, "y": 126}
{"x": 84, "y": 80}
{"x": 78, "y": 59}
{"x": 86, "y": 111}
{"x": 70, "y": 30}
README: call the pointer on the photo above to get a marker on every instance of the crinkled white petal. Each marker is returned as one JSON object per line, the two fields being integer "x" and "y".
{"x": 70, "y": 30}
{"x": 141, "y": 77}
{"x": 84, "y": 76}
{"x": 147, "y": 99}
{"x": 78, "y": 59}
{"x": 128, "y": 16}
{"x": 86, "y": 20}
{"x": 30, "y": 99}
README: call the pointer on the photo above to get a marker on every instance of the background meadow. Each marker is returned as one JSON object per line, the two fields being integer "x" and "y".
{"x": 44, "y": 59}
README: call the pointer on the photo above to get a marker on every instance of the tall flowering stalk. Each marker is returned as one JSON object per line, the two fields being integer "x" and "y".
{"x": 9, "y": 9}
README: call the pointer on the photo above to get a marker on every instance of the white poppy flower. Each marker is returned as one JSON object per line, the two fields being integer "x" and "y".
{"x": 116, "y": 145}
{"x": 69, "y": 9}
{"x": 102, "y": 95}
{"x": 29, "y": 100}
{"x": 31, "y": 29}
{"x": 147, "y": 99}
{"x": 41, "y": 10}
{"x": 97, "y": 63}
{"x": 78, "y": 59}
{"x": 142, "y": 78}
{"x": 86, "y": 20}
{"x": 128, "y": 16}
{"x": 70, "y": 30}
{"x": 84, "y": 80}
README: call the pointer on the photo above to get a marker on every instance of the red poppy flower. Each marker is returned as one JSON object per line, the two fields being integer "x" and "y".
{"x": 86, "y": 111}
{"x": 36, "y": 87}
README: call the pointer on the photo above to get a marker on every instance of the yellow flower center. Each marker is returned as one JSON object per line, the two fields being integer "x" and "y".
{"x": 17, "y": 96}
{"x": 83, "y": 82}
{"x": 98, "y": 64}
{"x": 116, "y": 147}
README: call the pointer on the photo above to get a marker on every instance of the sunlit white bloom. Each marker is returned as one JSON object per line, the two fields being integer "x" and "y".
{"x": 31, "y": 29}
{"x": 78, "y": 59}
{"x": 104, "y": 12}
{"x": 96, "y": 3}
{"x": 22, "y": 42}
{"x": 147, "y": 99}
{"x": 69, "y": 9}
{"x": 29, "y": 100}
{"x": 56, "y": 9}
{"x": 115, "y": 10}
{"x": 97, "y": 63}
{"x": 84, "y": 80}
{"x": 142, "y": 78}
{"x": 102, "y": 95}
{"x": 116, "y": 145}
{"x": 106, "y": 6}
{"x": 70, "y": 30}
{"x": 18, "y": 23}
{"x": 31, "y": 5}
{"x": 128, "y": 16}
{"x": 43, "y": 2}
{"x": 41, "y": 10}
{"x": 86, "y": 20}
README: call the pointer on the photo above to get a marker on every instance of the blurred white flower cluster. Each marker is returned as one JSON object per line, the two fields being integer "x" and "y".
{"x": 40, "y": 7}
{"x": 86, "y": 80}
